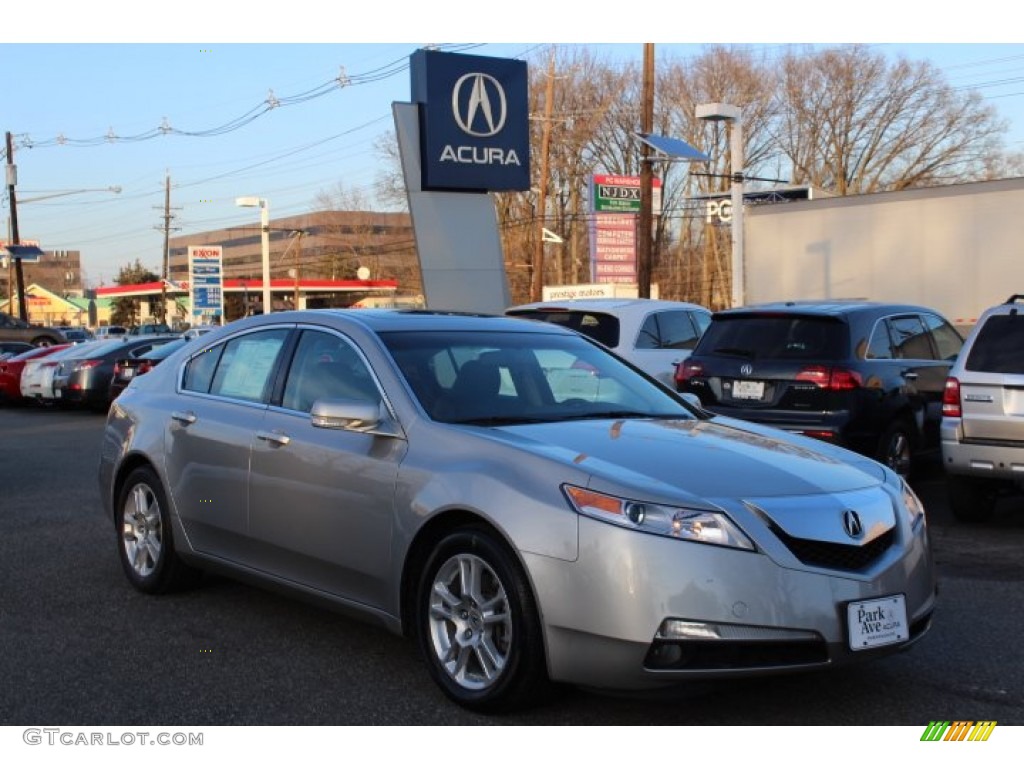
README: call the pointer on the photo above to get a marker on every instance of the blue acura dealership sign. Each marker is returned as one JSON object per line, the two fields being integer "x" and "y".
{"x": 474, "y": 121}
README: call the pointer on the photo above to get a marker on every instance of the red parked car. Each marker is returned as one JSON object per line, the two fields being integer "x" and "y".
{"x": 11, "y": 368}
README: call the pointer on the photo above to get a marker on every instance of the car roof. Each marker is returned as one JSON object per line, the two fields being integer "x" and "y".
{"x": 834, "y": 308}
{"x": 386, "y": 320}
{"x": 607, "y": 305}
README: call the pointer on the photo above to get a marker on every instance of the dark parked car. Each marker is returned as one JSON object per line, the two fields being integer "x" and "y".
{"x": 84, "y": 379}
{"x": 864, "y": 375}
{"x": 15, "y": 329}
{"x": 130, "y": 367}
{"x": 12, "y": 348}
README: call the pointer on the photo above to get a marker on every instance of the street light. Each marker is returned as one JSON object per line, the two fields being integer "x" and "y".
{"x": 261, "y": 203}
{"x": 734, "y": 116}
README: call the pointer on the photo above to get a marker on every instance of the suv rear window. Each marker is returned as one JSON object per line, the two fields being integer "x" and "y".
{"x": 776, "y": 337}
{"x": 598, "y": 326}
{"x": 999, "y": 346}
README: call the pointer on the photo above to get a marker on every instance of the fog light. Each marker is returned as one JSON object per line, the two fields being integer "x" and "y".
{"x": 636, "y": 513}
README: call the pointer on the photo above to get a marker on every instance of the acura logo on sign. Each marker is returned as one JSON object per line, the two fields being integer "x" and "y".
{"x": 478, "y": 104}
{"x": 852, "y": 524}
{"x": 746, "y": 369}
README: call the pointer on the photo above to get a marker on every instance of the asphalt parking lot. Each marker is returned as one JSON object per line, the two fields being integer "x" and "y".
{"x": 80, "y": 647}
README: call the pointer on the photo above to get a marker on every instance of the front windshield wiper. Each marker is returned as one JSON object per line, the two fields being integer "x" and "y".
{"x": 626, "y": 415}
{"x": 734, "y": 351}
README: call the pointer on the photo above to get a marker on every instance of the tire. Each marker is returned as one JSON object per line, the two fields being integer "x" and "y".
{"x": 145, "y": 540}
{"x": 971, "y": 500}
{"x": 896, "y": 448}
{"x": 482, "y": 643}
{"x": 43, "y": 341}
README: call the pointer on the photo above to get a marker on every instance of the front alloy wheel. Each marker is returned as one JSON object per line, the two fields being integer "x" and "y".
{"x": 470, "y": 622}
{"x": 476, "y": 623}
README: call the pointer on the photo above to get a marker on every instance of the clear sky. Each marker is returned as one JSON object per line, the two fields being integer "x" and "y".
{"x": 72, "y": 79}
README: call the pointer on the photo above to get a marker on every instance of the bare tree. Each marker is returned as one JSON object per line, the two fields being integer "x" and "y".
{"x": 855, "y": 122}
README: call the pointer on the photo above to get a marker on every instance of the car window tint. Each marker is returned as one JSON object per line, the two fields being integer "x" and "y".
{"x": 200, "y": 369}
{"x": 880, "y": 346}
{"x": 999, "y": 346}
{"x": 911, "y": 340}
{"x": 945, "y": 336}
{"x": 776, "y": 337}
{"x": 244, "y": 369}
{"x": 325, "y": 366}
{"x": 677, "y": 330}
{"x": 597, "y": 325}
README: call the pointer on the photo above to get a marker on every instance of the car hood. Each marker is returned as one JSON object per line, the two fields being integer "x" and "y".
{"x": 713, "y": 458}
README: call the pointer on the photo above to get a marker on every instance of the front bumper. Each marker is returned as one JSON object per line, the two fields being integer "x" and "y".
{"x": 602, "y": 612}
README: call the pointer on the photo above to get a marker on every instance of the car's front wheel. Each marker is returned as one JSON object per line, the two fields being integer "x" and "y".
{"x": 145, "y": 539}
{"x": 477, "y": 625}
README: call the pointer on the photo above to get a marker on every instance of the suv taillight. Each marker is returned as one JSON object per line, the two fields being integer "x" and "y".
{"x": 686, "y": 371}
{"x": 834, "y": 379}
{"x": 951, "y": 399}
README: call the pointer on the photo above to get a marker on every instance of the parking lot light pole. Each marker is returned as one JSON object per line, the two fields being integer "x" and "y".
{"x": 261, "y": 203}
{"x": 734, "y": 117}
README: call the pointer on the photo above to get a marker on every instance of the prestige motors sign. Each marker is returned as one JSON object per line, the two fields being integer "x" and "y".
{"x": 474, "y": 121}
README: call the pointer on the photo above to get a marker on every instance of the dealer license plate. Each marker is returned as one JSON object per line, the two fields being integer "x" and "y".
{"x": 748, "y": 390}
{"x": 874, "y": 623}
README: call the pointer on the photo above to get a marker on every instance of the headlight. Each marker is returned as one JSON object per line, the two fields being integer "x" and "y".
{"x": 698, "y": 525}
{"x": 912, "y": 504}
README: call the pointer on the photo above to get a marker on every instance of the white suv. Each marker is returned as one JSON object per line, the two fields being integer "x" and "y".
{"x": 983, "y": 414}
{"x": 653, "y": 335}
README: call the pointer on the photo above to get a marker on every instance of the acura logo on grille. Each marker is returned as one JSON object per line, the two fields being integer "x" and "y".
{"x": 852, "y": 524}
{"x": 477, "y": 94}
{"x": 746, "y": 369}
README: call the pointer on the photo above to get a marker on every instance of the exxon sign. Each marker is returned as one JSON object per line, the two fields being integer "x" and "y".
{"x": 474, "y": 121}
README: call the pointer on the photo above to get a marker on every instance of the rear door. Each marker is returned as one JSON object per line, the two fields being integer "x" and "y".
{"x": 992, "y": 381}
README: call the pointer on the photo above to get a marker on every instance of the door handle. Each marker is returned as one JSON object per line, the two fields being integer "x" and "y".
{"x": 185, "y": 417}
{"x": 277, "y": 438}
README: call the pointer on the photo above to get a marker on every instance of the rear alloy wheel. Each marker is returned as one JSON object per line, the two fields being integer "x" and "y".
{"x": 971, "y": 500}
{"x": 477, "y": 624}
{"x": 145, "y": 540}
{"x": 895, "y": 448}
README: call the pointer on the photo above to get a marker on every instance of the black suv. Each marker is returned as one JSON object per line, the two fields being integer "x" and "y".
{"x": 864, "y": 375}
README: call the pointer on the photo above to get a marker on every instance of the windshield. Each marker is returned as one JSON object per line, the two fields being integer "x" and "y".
{"x": 508, "y": 378}
{"x": 596, "y": 325}
{"x": 775, "y": 337}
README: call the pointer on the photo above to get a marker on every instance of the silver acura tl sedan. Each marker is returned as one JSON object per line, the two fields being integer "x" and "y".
{"x": 525, "y": 505}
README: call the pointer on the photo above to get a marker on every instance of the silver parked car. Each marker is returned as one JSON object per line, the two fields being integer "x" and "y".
{"x": 517, "y": 499}
{"x": 983, "y": 415}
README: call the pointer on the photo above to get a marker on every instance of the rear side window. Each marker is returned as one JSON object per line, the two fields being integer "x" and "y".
{"x": 911, "y": 340}
{"x": 776, "y": 337}
{"x": 240, "y": 368}
{"x": 673, "y": 329}
{"x": 999, "y": 346}
{"x": 598, "y": 326}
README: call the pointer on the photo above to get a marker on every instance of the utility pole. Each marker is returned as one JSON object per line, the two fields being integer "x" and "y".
{"x": 537, "y": 283}
{"x": 12, "y": 180}
{"x": 646, "y": 217}
{"x": 167, "y": 216}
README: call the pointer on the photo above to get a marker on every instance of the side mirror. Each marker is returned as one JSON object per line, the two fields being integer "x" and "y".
{"x": 353, "y": 416}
